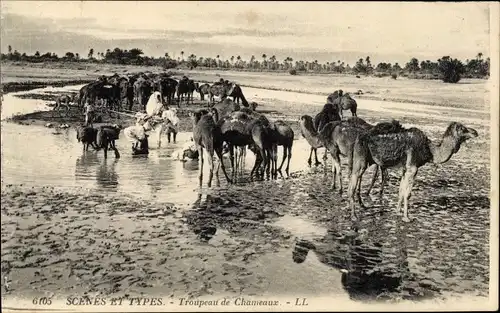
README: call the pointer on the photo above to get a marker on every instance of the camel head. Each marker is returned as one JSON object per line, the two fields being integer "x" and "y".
{"x": 253, "y": 105}
{"x": 459, "y": 132}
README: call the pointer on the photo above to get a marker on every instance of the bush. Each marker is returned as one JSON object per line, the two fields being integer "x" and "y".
{"x": 451, "y": 69}
{"x": 293, "y": 72}
{"x": 394, "y": 75}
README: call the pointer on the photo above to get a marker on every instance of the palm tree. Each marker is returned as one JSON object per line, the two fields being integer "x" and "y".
{"x": 91, "y": 53}
{"x": 218, "y": 60}
{"x": 182, "y": 55}
{"x": 232, "y": 59}
{"x": 264, "y": 56}
{"x": 167, "y": 56}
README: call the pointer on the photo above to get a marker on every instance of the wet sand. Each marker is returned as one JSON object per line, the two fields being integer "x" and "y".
{"x": 291, "y": 237}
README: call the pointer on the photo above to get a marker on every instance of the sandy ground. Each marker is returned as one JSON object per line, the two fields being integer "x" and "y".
{"x": 252, "y": 239}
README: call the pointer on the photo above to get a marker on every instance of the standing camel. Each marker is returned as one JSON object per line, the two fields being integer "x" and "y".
{"x": 282, "y": 135}
{"x": 339, "y": 138}
{"x": 410, "y": 149}
{"x": 240, "y": 129}
{"x": 328, "y": 113}
{"x": 106, "y": 137}
{"x": 203, "y": 90}
{"x": 207, "y": 135}
{"x": 345, "y": 102}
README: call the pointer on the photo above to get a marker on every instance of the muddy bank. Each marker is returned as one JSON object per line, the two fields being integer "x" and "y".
{"x": 29, "y": 85}
{"x": 75, "y": 117}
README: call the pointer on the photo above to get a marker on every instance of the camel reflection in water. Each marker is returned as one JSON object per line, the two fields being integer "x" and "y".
{"x": 105, "y": 170}
{"x": 366, "y": 273}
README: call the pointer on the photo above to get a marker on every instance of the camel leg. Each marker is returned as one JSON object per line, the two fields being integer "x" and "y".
{"x": 105, "y": 146}
{"x": 383, "y": 182}
{"x": 175, "y": 137}
{"x": 219, "y": 155}
{"x": 316, "y": 157}
{"x": 287, "y": 170}
{"x": 374, "y": 178}
{"x": 356, "y": 175}
{"x": 410, "y": 174}
{"x": 285, "y": 155}
{"x": 117, "y": 154}
{"x": 325, "y": 155}
{"x": 231, "y": 158}
{"x": 310, "y": 156}
{"x": 168, "y": 137}
{"x": 337, "y": 172}
{"x": 210, "y": 156}
{"x": 275, "y": 161}
{"x": 200, "y": 162}
{"x": 358, "y": 193}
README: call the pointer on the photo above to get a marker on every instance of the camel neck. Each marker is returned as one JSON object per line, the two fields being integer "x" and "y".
{"x": 443, "y": 151}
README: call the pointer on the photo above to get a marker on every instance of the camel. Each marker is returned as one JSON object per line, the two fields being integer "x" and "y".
{"x": 328, "y": 113}
{"x": 282, "y": 135}
{"x": 410, "y": 149}
{"x": 207, "y": 135}
{"x": 203, "y": 90}
{"x": 63, "y": 101}
{"x": 87, "y": 136}
{"x": 142, "y": 91}
{"x": 334, "y": 95}
{"x": 185, "y": 87}
{"x": 106, "y": 136}
{"x": 167, "y": 87}
{"x": 339, "y": 138}
{"x": 235, "y": 91}
{"x": 240, "y": 129}
{"x": 123, "y": 85}
{"x": 345, "y": 102}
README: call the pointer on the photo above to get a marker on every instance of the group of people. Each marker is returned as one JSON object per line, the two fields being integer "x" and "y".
{"x": 156, "y": 115}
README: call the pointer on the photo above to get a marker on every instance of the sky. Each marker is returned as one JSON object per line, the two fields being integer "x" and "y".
{"x": 323, "y": 31}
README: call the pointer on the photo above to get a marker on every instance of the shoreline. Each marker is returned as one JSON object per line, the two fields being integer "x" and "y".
{"x": 28, "y": 85}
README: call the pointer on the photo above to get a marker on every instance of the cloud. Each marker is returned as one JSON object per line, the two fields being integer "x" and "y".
{"x": 316, "y": 30}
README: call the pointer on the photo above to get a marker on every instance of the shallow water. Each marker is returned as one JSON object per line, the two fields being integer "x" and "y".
{"x": 296, "y": 230}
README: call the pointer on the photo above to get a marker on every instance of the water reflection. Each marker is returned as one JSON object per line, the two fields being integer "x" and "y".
{"x": 367, "y": 272}
{"x": 203, "y": 226}
{"x": 106, "y": 174}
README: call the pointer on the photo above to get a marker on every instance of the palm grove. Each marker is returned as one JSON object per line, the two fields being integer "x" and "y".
{"x": 446, "y": 68}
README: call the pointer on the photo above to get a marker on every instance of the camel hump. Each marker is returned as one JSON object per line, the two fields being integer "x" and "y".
{"x": 386, "y": 128}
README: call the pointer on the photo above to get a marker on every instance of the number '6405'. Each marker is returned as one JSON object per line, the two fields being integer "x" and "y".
{"x": 42, "y": 301}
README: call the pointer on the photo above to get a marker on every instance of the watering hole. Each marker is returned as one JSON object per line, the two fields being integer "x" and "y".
{"x": 290, "y": 236}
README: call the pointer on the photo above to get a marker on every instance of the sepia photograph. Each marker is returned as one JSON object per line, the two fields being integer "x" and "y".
{"x": 249, "y": 156}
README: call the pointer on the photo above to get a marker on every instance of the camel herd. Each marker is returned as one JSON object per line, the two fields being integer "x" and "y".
{"x": 116, "y": 90}
{"x": 227, "y": 127}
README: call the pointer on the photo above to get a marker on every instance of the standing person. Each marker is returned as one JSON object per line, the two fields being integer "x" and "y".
{"x": 89, "y": 113}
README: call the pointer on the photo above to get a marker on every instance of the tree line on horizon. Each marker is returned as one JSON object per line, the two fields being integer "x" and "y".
{"x": 446, "y": 68}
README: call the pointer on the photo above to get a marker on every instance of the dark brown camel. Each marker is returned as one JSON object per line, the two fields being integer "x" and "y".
{"x": 207, "y": 135}
{"x": 334, "y": 95}
{"x": 239, "y": 129}
{"x": 410, "y": 149}
{"x": 122, "y": 83}
{"x": 185, "y": 88}
{"x": 235, "y": 91}
{"x": 282, "y": 135}
{"x": 167, "y": 87}
{"x": 142, "y": 91}
{"x": 87, "y": 136}
{"x": 106, "y": 137}
{"x": 345, "y": 102}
